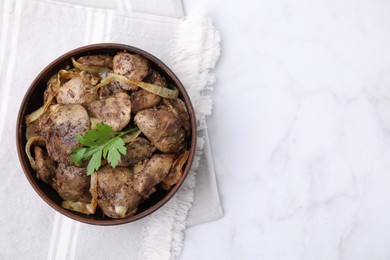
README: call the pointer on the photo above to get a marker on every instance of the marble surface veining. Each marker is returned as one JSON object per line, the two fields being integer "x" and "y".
{"x": 300, "y": 131}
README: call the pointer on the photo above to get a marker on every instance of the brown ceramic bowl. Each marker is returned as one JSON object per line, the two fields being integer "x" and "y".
{"x": 33, "y": 99}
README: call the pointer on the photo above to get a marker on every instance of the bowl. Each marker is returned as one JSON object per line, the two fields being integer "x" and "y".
{"x": 33, "y": 99}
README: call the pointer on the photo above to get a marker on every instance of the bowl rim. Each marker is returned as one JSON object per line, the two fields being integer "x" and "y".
{"x": 29, "y": 172}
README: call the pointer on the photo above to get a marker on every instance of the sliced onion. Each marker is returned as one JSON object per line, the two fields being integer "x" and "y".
{"x": 111, "y": 78}
{"x": 121, "y": 210}
{"x": 160, "y": 91}
{"x": 40, "y": 111}
{"x": 94, "y": 122}
{"x": 131, "y": 136}
{"x": 55, "y": 85}
{"x": 176, "y": 171}
{"x": 68, "y": 74}
{"x": 83, "y": 207}
{"x": 90, "y": 69}
{"x": 63, "y": 74}
{"x": 94, "y": 192}
{"x": 39, "y": 140}
{"x": 54, "y": 108}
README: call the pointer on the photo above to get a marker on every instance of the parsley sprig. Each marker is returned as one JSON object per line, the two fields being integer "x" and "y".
{"x": 103, "y": 142}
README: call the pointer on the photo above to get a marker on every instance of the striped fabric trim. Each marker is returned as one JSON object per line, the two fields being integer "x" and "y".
{"x": 65, "y": 231}
{"x": 8, "y": 44}
{"x": 123, "y": 5}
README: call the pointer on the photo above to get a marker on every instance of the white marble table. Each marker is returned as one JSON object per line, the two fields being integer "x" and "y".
{"x": 300, "y": 131}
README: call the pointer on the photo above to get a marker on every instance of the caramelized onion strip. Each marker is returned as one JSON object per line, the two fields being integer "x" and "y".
{"x": 83, "y": 207}
{"x": 160, "y": 91}
{"x": 35, "y": 140}
{"x": 176, "y": 171}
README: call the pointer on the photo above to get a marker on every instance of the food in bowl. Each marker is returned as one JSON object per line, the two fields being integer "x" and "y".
{"x": 110, "y": 132}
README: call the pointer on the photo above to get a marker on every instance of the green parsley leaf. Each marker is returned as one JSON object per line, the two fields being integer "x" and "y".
{"x": 102, "y": 142}
{"x": 95, "y": 162}
{"x": 78, "y": 154}
{"x": 102, "y": 134}
{"x": 113, "y": 151}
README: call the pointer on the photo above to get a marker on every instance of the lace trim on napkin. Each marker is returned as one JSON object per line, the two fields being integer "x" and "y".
{"x": 196, "y": 49}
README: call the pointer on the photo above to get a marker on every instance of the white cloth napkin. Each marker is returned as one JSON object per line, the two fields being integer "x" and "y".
{"x": 35, "y": 32}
